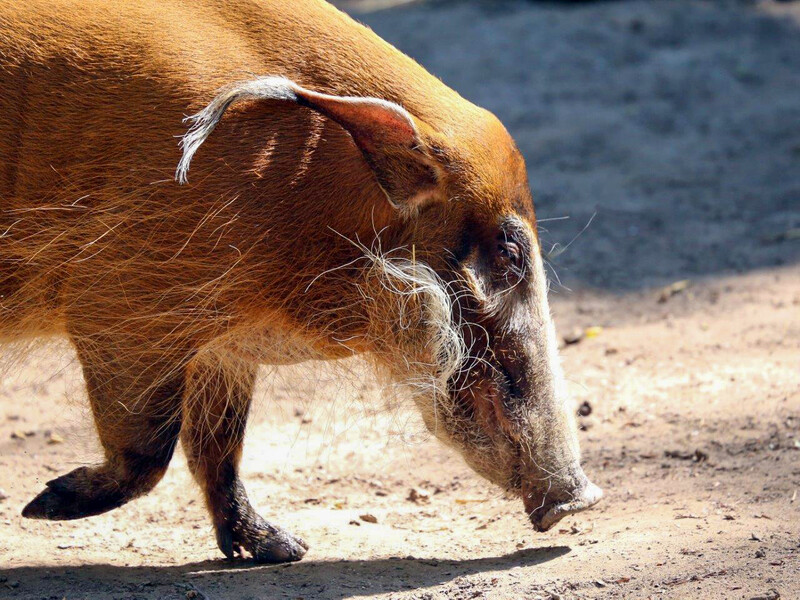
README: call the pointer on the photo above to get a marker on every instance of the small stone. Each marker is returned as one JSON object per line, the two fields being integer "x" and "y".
{"x": 585, "y": 409}
{"x": 368, "y": 518}
{"x": 672, "y": 289}
{"x": 761, "y": 553}
{"x": 18, "y": 435}
{"x": 574, "y": 336}
{"x": 3, "y": 495}
{"x": 418, "y": 496}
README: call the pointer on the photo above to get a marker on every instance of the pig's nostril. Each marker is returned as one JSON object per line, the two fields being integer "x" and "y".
{"x": 545, "y": 517}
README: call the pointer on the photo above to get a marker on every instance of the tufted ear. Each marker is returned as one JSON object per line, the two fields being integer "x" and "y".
{"x": 385, "y": 133}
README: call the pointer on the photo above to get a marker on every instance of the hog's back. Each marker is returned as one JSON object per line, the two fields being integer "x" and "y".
{"x": 94, "y": 93}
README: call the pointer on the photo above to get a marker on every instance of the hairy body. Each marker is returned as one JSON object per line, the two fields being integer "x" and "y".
{"x": 288, "y": 242}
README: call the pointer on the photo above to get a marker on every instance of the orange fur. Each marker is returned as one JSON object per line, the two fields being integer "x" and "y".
{"x": 94, "y": 223}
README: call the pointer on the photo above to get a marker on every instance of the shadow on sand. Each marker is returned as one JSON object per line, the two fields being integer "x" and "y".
{"x": 221, "y": 579}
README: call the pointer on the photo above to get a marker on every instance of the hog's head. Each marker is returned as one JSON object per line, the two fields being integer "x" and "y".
{"x": 451, "y": 293}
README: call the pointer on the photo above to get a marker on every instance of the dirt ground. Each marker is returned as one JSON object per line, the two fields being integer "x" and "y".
{"x": 677, "y": 124}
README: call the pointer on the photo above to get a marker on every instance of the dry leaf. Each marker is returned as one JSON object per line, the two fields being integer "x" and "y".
{"x": 593, "y": 332}
{"x": 54, "y": 438}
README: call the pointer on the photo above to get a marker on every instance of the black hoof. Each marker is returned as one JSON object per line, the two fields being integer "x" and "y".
{"x": 265, "y": 542}
{"x": 47, "y": 505}
{"x": 280, "y": 548}
{"x": 71, "y": 497}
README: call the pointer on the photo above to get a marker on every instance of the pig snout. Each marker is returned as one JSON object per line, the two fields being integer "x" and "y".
{"x": 546, "y": 507}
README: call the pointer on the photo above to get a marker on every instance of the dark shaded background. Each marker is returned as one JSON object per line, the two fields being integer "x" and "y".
{"x": 676, "y": 122}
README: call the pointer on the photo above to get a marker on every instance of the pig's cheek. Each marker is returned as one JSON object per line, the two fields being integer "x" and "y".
{"x": 502, "y": 418}
{"x": 483, "y": 407}
{"x": 492, "y": 400}
{"x": 488, "y": 410}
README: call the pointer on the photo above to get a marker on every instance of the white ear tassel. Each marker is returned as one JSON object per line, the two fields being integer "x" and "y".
{"x": 204, "y": 122}
{"x": 275, "y": 88}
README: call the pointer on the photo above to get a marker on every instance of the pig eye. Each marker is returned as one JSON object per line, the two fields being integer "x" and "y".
{"x": 510, "y": 256}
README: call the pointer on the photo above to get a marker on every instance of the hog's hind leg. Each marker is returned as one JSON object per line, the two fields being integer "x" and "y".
{"x": 216, "y": 405}
{"x": 137, "y": 414}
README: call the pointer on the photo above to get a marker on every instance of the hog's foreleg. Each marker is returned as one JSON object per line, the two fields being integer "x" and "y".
{"x": 217, "y": 402}
{"x": 137, "y": 414}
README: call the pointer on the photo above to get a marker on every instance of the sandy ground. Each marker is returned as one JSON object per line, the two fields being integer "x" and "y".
{"x": 678, "y": 125}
